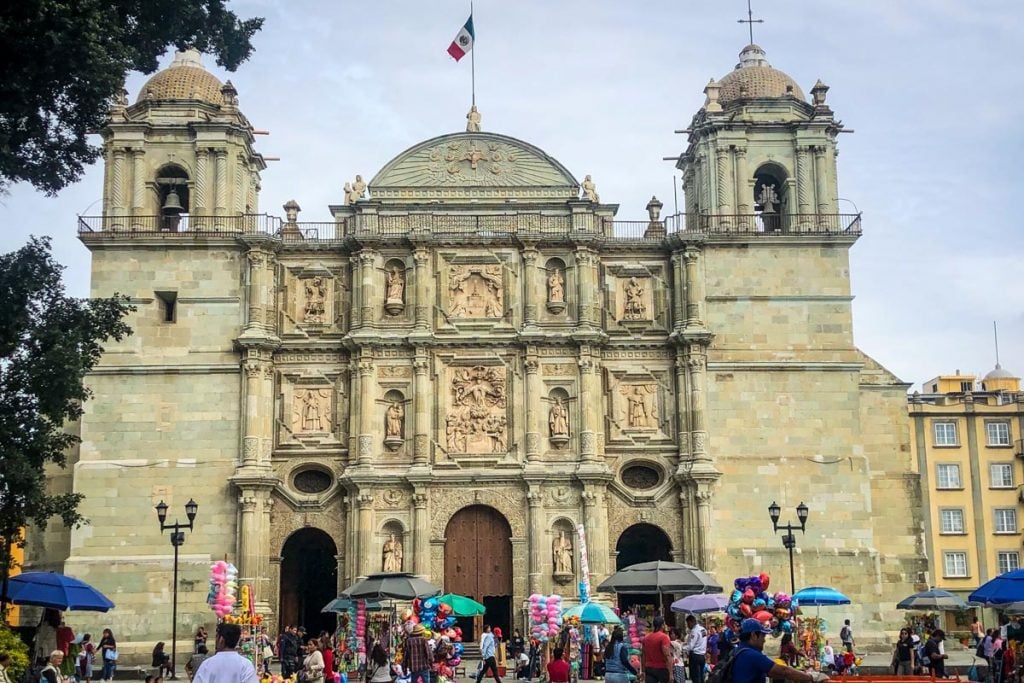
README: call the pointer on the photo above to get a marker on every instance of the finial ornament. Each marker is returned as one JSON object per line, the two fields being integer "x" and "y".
{"x": 711, "y": 105}
{"x": 473, "y": 120}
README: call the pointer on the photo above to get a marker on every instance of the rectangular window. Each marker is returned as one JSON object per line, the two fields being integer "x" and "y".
{"x": 1006, "y": 521}
{"x": 998, "y": 433}
{"x": 945, "y": 434}
{"x": 966, "y": 386}
{"x": 1008, "y": 561}
{"x": 168, "y": 306}
{"x": 1001, "y": 475}
{"x": 948, "y": 476}
{"x": 951, "y": 521}
{"x": 955, "y": 564}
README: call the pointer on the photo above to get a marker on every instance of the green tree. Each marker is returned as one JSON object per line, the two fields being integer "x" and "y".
{"x": 65, "y": 61}
{"x": 48, "y": 343}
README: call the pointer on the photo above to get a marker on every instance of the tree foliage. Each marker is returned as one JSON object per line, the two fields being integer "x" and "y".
{"x": 65, "y": 61}
{"x": 48, "y": 343}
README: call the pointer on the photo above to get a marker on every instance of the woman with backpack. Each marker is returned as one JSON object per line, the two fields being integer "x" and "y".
{"x": 618, "y": 668}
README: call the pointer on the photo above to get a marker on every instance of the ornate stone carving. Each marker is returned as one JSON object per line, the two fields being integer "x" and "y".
{"x": 394, "y": 300}
{"x": 475, "y": 291}
{"x": 590, "y": 190}
{"x": 556, "y": 291}
{"x": 311, "y": 410}
{"x": 588, "y": 442}
{"x": 394, "y": 371}
{"x": 392, "y": 560}
{"x": 445, "y": 502}
{"x": 641, "y": 408}
{"x": 354, "y": 191}
{"x": 419, "y": 500}
{"x": 473, "y": 120}
{"x": 365, "y": 446}
{"x": 635, "y": 299}
{"x": 561, "y": 552}
{"x": 394, "y": 426}
{"x": 477, "y": 421}
{"x": 558, "y": 369}
{"x": 314, "y": 306}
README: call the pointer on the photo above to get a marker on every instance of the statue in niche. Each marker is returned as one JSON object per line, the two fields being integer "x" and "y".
{"x": 311, "y": 411}
{"x": 768, "y": 199}
{"x": 393, "y": 420}
{"x": 396, "y": 285}
{"x": 561, "y": 551}
{"x": 392, "y": 555}
{"x": 590, "y": 190}
{"x": 556, "y": 287}
{"x": 634, "y": 308}
{"x": 558, "y": 419}
{"x": 316, "y": 297}
{"x": 639, "y": 413}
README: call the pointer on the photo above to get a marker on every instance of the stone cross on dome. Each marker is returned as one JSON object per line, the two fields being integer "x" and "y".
{"x": 750, "y": 21}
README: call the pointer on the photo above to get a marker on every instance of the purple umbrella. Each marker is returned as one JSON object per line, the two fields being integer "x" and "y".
{"x": 701, "y": 604}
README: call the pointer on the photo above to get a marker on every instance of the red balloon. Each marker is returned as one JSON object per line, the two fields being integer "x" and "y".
{"x": 745, "y": 609}
{"x": 763, "y": 616}
{"x": 765, "y": 580}
{"x": 748, "y": 595}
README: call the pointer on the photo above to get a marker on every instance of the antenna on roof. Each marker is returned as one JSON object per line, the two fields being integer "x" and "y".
{"x": 750, "y": 21}
{"x": 995, "y": 333}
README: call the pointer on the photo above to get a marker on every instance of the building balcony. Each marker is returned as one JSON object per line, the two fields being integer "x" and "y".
{"x": 475, "y": 225}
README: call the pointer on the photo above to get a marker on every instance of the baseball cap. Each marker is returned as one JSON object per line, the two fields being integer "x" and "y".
{"x": 754, "y": 626}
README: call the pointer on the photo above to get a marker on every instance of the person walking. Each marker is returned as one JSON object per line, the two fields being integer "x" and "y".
{"x": 85, "y": 659}
{"x": 846, "y": 635}
{"x": 618, "y": 668}
{"x": 749, "y": 664}
{"x": 313, "y": 664}
{"x": 977, "y": 631}
{"x": 696, "y": 649}
{"x": 657, "y": 654}
{"x": 558, "y": 668}
{"x": 327, "y": 652}
{"x": 488, "y": 651}
{"x": 903, "y": 655}
{"x": 226, "y": 665}
{"x": 378, "y": 670}
{"x": 197, "y": 658}
{"x": 417, "y": 656}
{"x": 678, "y": 655}
{"x": 935, "y": 658}
{"x": 288, "y": 648}
{"x": 108, "y": 653}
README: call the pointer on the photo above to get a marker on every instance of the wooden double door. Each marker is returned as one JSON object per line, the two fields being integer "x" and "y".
{"x": 478, "y": 564}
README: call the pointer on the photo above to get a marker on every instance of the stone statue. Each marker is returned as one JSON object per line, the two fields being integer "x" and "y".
{"x": 354, "y": 191}
{"x": 768, "y": 199}
{"x": 312, "y": 415}
{"x": 634, "y": 308}
{"x": 316, "y": 295}
{"x": 455, "y": 432}
{"x": 392, "y": 555}
{"x": 556, "y": 287}
{"x": 394, "y": 417}
{"x": 558, "y": 419}
{"x": 396, "y": 285}
{"x": 590, "y": 190}
{"x": 638, "y": 413}
{"x": 561, "y": 550}
{"x": 348, "y": 193}
{"x": 473, "y": 120}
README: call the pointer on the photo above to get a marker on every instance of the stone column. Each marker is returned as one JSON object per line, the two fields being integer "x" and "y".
{"x": 744, "y": 190}
{"x": 694, "y": 289}
{"x": 592, "y": 408}
{"x": 686, "y": 514}
{"x": 422, "y": 258}
{"x": 367, "y": 413}
{"x": 251, "y": 419}
{"x": 138, "y": 186}
{"x": 534, "y": 501}
{"x": 682, "y": 413}
{"x": 803, "y": 184}
{"x": 533, "y": 403}
{"x": 703, "y": 496}
{"x": 364, "y": 513}
{"x": 201, "y": 186}
{"x": 678, "y": 290}
{"x": 248, "y": 537}
{"x": 423, "y": 405}
{"x": 258, "y": 261}
{"x": 821, "y": 178}
{"x": 221, "y": 199}
{"x": 356, "y": 303}
{"x": 589, "y": 288}
{"x": 263, "y": 575}
{"x": 595, "y": 522}
{"x": 706, "y": 177}
{"x": 421, "y": 536}
{"x": 690, "y": 190}
{"x": 370, "y": 297}
{"x": 117, "y": 188}
{"x": 723, "y": 170}
{"x": 696, "y": 363}
{"x": 534, "y": 298}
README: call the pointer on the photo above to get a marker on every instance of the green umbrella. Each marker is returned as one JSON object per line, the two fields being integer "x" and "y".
{"x": 461, "y": 605}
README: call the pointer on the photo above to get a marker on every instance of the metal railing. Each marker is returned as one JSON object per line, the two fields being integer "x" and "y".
{"x": 766, "y": 223}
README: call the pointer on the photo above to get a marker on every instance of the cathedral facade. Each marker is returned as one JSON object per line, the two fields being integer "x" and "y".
{"x": 473, "y": 362}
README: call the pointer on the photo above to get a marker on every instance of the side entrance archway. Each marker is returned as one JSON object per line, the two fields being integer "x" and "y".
{"x": 309, "y": 580}
{"x": 642, "y": 543}
{"x": 478, "y": 564}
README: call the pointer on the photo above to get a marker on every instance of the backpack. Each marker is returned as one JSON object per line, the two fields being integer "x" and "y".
{"x": 844, "y": 634}
{"x": 980, "y": 652}
{"x": 723, "y": 672}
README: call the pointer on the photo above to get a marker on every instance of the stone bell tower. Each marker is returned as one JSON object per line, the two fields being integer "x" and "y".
{"x": 181, "y": 157}
{"x": 760, "y": 157}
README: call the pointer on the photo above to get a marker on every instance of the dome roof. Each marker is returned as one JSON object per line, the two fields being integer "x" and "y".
{"x": 755, "y": 77}
{"x": 184, "y": 79}
{"x": 999, "y": 373}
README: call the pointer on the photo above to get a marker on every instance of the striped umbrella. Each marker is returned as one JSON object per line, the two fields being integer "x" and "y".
{"x": 932, "y": 600}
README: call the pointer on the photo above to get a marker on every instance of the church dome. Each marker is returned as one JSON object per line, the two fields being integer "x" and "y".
{"x": 184, "y": 79}
{"x": 999, "y": 372}
{"x": 755, "y": 77}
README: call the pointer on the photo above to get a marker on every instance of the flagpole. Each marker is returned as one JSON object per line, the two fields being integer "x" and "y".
{"x": 472, "y": 57}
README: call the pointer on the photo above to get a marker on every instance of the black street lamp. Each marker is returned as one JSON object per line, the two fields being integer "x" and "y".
{"x": 177, "y": 538}
{"x": 789, "y": 540}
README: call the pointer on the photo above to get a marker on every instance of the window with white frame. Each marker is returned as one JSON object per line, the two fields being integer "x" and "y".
{"x": 998, "y": 433}
{"x": 1001, "y": 475}
{"x": 955, "y": 564}
{"x": 1006, "y": 520}
{"x": 1008, "y": 561}
{"x": 948, "y": 476}
{"x": 945, "y": 434}
{"x": 951, "y": 521}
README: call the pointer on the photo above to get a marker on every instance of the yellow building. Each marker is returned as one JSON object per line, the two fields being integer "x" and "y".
{"x": 967, "y": 440}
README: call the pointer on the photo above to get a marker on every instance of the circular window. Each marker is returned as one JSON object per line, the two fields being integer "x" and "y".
{"x": 312, "y": 481}
{"x": 641, "y": 477}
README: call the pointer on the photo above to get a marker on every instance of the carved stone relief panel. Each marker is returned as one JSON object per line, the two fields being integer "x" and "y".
{"x": 634, "y": 300}
{"x": 313, "y": 299}
{"x": 477, "y": 417}
{"x": 642, "y": 405}
{"x": 475, "y": 291}
{"x": 313, "y": 408}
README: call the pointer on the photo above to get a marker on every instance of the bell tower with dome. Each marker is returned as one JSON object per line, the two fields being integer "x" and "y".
{"x": 181, "y": 156}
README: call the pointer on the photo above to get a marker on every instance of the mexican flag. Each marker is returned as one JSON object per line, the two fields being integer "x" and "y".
{"x": 463, "y": 42}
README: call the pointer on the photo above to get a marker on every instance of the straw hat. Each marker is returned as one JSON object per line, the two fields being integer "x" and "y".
{"x": 418, "y": 630}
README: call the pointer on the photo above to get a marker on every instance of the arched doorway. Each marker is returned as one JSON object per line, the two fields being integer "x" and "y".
{"x": 478, "y": 564}
{"x": 309, "y": 580}
{"x": 642, "y": 543}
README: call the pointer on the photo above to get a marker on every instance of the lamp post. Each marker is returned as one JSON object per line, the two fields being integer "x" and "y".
{"x": 177, "y": 538}
{"x": 789, "y": 540}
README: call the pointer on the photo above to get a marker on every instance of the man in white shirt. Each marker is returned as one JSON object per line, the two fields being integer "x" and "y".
{"x": 696, "y": 648}
{"x": 226, "y": 665}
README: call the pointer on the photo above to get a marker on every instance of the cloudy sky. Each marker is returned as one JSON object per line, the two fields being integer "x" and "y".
{"x": 931, "y": 87}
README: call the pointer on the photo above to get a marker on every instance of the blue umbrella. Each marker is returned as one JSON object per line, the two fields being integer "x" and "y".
{"x": 1003, "y": 589}
{"x": 820, "y": 596}
{"x": 592, "y": 613}
{"x": 49, "y": 589}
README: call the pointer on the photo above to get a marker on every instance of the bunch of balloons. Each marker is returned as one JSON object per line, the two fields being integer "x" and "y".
{"x": 545, "y": 616}
{"x": 751, "y": 599}
{"x": 361, "y": 628}
{"x": 437, "y": 617}
{"x": 223, "y": 588}
{"x": 635, "y": 631}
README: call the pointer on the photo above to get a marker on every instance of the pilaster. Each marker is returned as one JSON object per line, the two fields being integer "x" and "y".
{"x": 423, "y": 403}
{"x": 138, "y": 184}
{"x": 533, "y": 399}
{"x": 592, "y": 408}
{"x": 534, "y": 500}
{"x": 589, "y": 290}
{"x": 534, "y": 297}
{"x": 221, "y": 199}
{"x": 821, "y": 179}
{"x": 421, "y": 535}
{"x": 367, "y": 413}
{"x": 595, "y": 522}
{"x": 421, "y": 256}
{"x": 723, "y": 170}
{"x": 694, "y": 289}
{"x": 364, "y": 514}
{"x": 371, "y": 296}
